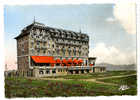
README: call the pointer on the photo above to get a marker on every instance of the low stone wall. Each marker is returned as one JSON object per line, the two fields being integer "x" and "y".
{"x": 49, "y": 72}
{"x": 42, "y": 72}
{"x": 54, "y": 71}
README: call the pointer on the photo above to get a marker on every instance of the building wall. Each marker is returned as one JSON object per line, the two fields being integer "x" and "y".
{"x": 22, "y": 46}
{"x": 50, "y": 42}
{"x": 42, "y": 43}
{"x": 22, "y": 54}
{"x": 23, "y": 63}
{"x": 49, "y": 72}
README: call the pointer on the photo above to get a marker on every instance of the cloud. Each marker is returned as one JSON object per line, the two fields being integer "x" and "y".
{"x": 112, "y": 55}
{"x": 110, "y": 19}
{"x": 125, "y": 13}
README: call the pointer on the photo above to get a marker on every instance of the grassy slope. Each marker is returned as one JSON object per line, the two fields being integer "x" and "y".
{"x": 130, "y": 81}
{"x": 95, "y": 75}
{"x": 41, "y": 88}
{"x": 22, "y": 87}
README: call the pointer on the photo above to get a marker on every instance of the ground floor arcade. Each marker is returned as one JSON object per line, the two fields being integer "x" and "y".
{"x": 40, "y": 72}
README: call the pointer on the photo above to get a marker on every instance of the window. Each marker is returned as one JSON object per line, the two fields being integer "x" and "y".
{"x": 32, "y": 43}
{"x": 57, "y": 51}
{"x": 53, "y": 45}
{"x": 63, "y": 52}
{"x": 47, "y": 72}
{"x": 38, "y": 50}
{"x": 86, "y": 62}
{"x": 53, "y": 71}
{"x": 49, "y": 53}
{"x": 53, "y": 52}
{"x": 41, "y": 72}
{"x": 69, "y": 52}
{"x": 37, "y": 43}
{"x": 32, "y": 51}
{"x": 48, "y": 38}
{"x": 22, "y": 50}
{"x": 74, "y": 53}
{"x": 44, "y": 51}
{"x": 66, "y": 35}
{"x": 79, "y": 53}
{"x": 56, "y": 40}
{"x": 62, "y": 35}
{"x": 44, "y": 43}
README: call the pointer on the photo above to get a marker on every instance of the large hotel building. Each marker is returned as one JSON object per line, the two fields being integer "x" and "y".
{"x": 44, "y": 51}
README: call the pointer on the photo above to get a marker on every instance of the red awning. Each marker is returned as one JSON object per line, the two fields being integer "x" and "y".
{"x": 75, "y": 61}
{"x": 52, "y": 65}
{"x": 58, "y": 61}
{"x": 80, "y": 61}
{"x": 68, "y": 65}
{"x": 53, "y": 61}
{"x": 64, "y": 61}
{"x": 62, "y": 65}
{"x": 90, "y": 64}
{"x": 69, "y": 61}
{"x": 42, "y": 59}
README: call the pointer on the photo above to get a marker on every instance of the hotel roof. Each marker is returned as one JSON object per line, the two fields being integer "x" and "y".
{"x": 26, "y": 30}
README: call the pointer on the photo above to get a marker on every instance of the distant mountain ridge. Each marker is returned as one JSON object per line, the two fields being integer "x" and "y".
{"x": 112, "y": 67}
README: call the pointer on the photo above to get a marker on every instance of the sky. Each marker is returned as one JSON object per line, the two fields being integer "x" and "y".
{"x": 111, "y": 28}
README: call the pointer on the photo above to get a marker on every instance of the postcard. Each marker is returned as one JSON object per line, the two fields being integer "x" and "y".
{"x": 70, "y": 50}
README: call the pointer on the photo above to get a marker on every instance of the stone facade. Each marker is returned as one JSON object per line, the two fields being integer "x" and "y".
{"x": 40, "y": 40}
{"x": 23, "y": 55}
{"x": 58, "y": 43}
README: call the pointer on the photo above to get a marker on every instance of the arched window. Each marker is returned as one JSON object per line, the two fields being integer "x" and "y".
{"x": 44, "y": 51}
{"x": 79, "y": 53}
{"x": 69, "y": 51}
{"x": 64, "y": 51}
{"x": 47, "y": 71}
{"x": 53, "y": 45}
{"x": 57, "y": 51}
{"x": 74, "y": 51}
{"x": 38, "y": 50}
{"x": 53, "y": 53}
{"x": 41, "y": 72}
{"x": 49, "y": 53}
{"x": 44, "y": 43}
